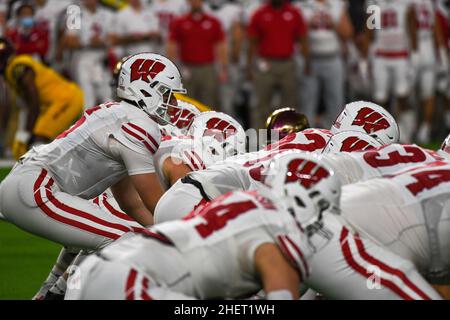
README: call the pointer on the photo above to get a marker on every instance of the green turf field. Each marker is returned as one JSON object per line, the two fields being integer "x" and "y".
{"x": 25, "y": 260}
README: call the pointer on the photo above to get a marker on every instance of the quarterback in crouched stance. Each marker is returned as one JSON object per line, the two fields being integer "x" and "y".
{"x": 112, "y": 145}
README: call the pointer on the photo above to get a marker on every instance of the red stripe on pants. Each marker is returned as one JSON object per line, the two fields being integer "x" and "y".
{"x": 129, "y": 286}
{"x": 363, "y": 271}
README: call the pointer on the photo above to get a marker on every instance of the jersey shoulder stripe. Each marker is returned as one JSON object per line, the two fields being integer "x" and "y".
{"x": 145, "y": 133}
{"x": 145, "y": 138}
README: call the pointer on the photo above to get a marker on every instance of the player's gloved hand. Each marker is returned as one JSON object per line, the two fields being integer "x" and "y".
{"x": 20, "y": 143}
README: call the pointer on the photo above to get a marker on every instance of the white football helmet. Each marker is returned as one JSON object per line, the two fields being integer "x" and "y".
{"x": 149, "y": 80}
{"x": 181, "y": 118}
{"x": 219, "y": 134}
{"x": 350, "y": 141}
{"x": 303, "y": 185}
{"x": 444, "y": 151}
{"x": 369, "y": 118}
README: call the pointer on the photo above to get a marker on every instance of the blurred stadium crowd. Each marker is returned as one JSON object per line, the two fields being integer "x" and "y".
{"x": 249, "y": 57}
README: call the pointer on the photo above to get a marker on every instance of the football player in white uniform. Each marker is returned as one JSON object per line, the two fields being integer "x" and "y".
{"x": 180, "y": 119}
{"x": 369, "y": 118}
{"x": 200, "y": 148}
{"x": 394, "y": 48}
{"x": 352, "y": 167}
{"x": 212, "y": 137}
{"x": 87, "y": 43}
{"x": 329, "y": 26}
{"x": 167, "y": 10}
{"x": 256, "y": 238}
{"x": 47, "y": 193}
{"x": 230, "y": 14}
{"x": 235, "y": 173}
{"x": 430, "y": 42}
{"x": 408, "y": 213}
{"x": 344, "y": 265}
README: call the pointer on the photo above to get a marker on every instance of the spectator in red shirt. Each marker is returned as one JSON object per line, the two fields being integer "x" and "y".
{"x": 273, "y": 31}
{"x": 199, "y": 40}
{"x": 27, "y": 36}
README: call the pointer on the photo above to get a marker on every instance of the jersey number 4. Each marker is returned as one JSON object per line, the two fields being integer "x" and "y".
{"x": 427, "y": 180}
{"x": 217, "y": 214}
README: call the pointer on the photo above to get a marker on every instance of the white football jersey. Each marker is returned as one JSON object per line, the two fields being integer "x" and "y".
{"x": 426, "y": 19}
{"x": 243, "y": 172}
{"x": 228, "y": 14}
{"x": 218, "y": 243}
{"x": 425, "y": 14}
{"x": 392, "y": 37}
{"x": 166, "y": 11}
{"x": 183, "y": 149}
{"x": 407, "y": 212}
{"x": 131, "y": 22}
{"x": 423, "y": 182}
{"x": 85, "y": 160}
{"x": 311, "y": 140}
{"x": 98, "y": 23}
{"x": 48, "y": 15}
{"x": 321, "y": 18}
{"x": 352, "y": 167}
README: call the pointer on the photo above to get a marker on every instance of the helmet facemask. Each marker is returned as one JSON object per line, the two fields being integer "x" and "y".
{"x": 167, "y": 106}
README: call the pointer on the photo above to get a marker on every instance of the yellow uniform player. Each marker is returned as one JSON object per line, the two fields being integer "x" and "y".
{"x": 52, "y": 103}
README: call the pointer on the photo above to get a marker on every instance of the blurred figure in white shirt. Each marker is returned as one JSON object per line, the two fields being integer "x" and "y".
{"x": 136, "y": 29}
{"x": 432, "y": 58}
{"x": 230, "y": 14}
{"x": 50, "y": 13}
{"x": 329, "y": 26}
{"x": 89, "y": 44}
{"x": 166, "y": 11}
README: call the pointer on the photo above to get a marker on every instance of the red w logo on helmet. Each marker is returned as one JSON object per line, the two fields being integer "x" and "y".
{"x": 182, "y": 118}
{"x": 355, "y": 144}
{"x": 307, "y": 172}
{"x": 142, "y": 69}
{"x": 219, "y": 129}
{"x": 370, "y": 120}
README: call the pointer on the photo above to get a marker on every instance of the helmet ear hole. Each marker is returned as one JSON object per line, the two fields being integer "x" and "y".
{"x": 299, "y": 202}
